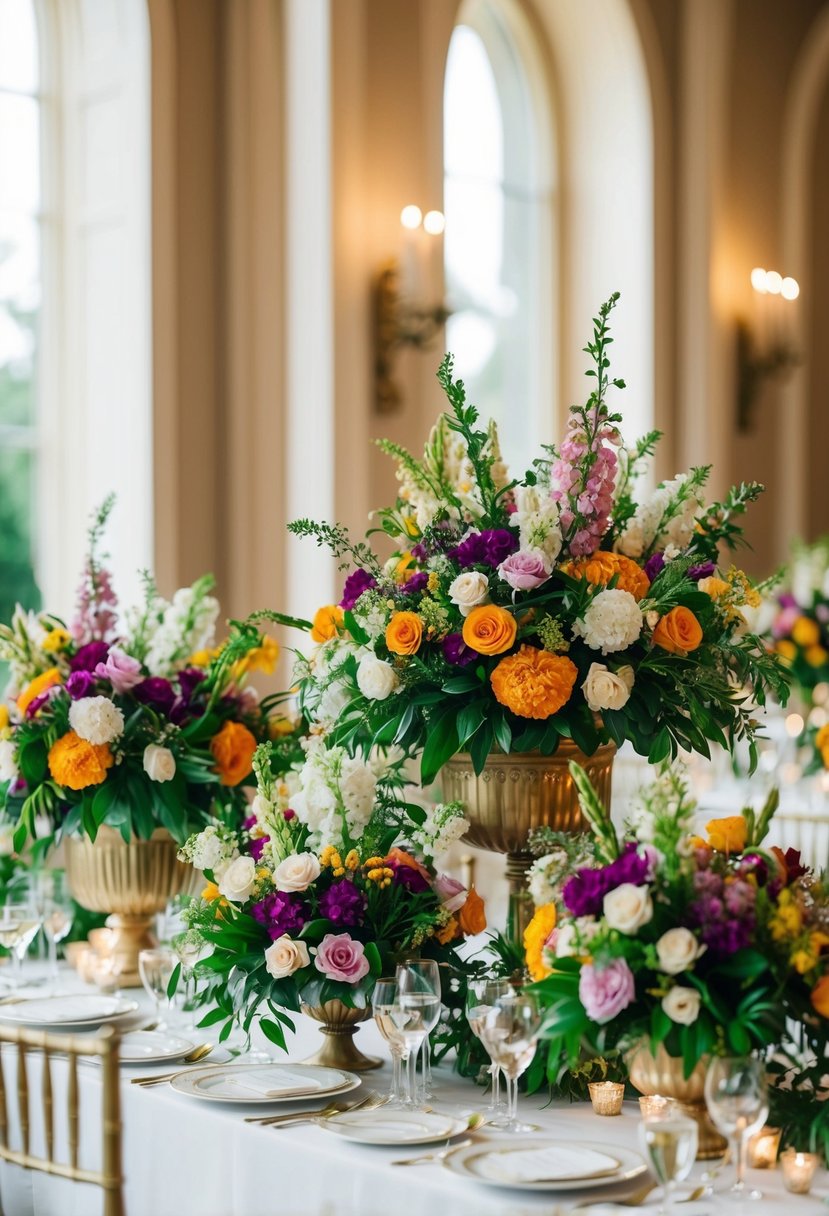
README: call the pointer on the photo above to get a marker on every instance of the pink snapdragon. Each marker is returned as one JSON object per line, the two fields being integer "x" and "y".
{"x": 95, "y": 618}
{"x": 583, "y": 480}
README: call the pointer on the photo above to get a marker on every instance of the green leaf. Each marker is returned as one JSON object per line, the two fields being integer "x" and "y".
{"x": 374, "y": 961}
{"x": 172, "y": 983}
{"x": 441, "y": 744}
{"x": 273, "y": 1031}
{"x": 470, "y": 719}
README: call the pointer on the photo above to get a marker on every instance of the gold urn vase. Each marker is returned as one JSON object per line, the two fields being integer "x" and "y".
{"x": 663, "y": 1074}
{"x": 339, "y": 1024}
{"x": 132, "y": 882}
{"x": 518, "y": 792}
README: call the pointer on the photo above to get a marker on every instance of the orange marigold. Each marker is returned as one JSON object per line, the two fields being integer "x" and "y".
{"x": 327, "y": 621}
{"x": 404, "y": 633}
{"x": 490, "y": 629}
{"x": 38, "y": 685}
{"x": 448, "y": 932}
{"x": 76, "y": 764}
{"x": 820, "y": 996}
{"x": 233, "y": 749}
{"x": 472, "y": 917}
{"x": 536, "y": 936}
{"x": 600, "y": 567}
{"x": 534, "y": 683}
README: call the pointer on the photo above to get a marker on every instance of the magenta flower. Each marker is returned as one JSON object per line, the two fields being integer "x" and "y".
{"x": 456, "y": 651}
{"x": 87, "y": 657}
{"x": 280, "y": 913}
{"x": 80, "y": 684}
{"x": 121, "y": 669}
{"x": 340, "y": 957}
{"x": 605, "y": 993}
{"x": 156, "y": 692}
{"x": 488, "y": 548}
{"x": 584, "y": 892}
{"x": 524, "y": 571}
{"x": 343, "y": 904}
{"x": 356, "y": 583}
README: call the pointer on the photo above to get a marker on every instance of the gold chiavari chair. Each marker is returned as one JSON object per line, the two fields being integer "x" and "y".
{"x": 104, "y": 1046}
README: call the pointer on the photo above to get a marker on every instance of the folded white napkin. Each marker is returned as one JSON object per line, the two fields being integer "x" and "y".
{"x": 550, "y": 1164}
{"x": 276, "y": 1083}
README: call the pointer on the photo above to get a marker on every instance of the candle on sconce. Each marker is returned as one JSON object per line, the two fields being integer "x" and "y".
{"x": 762, "y": 1148}
{"x": 798, "y": 1170}
{"x": 411, "y": 218}
{"x": 606, "y": 1097}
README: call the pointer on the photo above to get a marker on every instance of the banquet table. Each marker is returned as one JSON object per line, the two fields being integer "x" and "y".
{"x": 183, "y": 1156}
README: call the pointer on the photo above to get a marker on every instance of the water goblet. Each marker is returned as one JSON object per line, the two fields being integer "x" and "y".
{"x": 19, "y": 923}
{"x": 669, "y": 1142}
{"x": 418, "y": 985}
{"x": 383, "y": 1001}
{"x": 58, "y": 915}
{"x": 737, "y": 1098}
{"x": 156, "y": 967}
{"x": 510, "y": 1031}
{"x": 480, "y": 997}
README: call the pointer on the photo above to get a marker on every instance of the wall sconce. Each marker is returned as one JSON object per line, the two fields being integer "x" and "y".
{"x": 766, "y": 346}
{"x": 401, "y": 317}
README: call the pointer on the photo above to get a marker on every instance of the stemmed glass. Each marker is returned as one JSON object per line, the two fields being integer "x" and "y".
{"x": 481, "y": 995}
{"x": 510, "y": 1030}
{"x": 417, "y": 1011}
{"x": 58, "y": 915}
{"x": 737, "y": 1098}
{"x": 19, "y": 923}
{"x": 156, "y": 967}
{"x": 669, "y": 1142}
{"x": 384, "y": 1000}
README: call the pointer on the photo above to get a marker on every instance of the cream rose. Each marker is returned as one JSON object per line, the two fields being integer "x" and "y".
{"x": 376, "y": 679}
{"x": 237, "y": 881}
{"x": 682, "y": 1005}
{"x": 605, "y": 689}
{"x": 296, "y": 873}
{"x": 678, "y": 950}
{"x": 469, "y": 590}
{"x": 159, "y": 763}
{"x": 628, "y": 908}
{"x": 285, "y": 956}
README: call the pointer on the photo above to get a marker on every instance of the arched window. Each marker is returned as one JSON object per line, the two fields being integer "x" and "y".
{"x": 499, "y": 246}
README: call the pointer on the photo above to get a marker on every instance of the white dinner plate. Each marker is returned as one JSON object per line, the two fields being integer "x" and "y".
{"x": 395, "y": 1126}
{"x": 83, "y": 1010}
{"x": 152, "y": 1046}
{"x": 263, "y": 1083}
{"x": 477, "y": 1160}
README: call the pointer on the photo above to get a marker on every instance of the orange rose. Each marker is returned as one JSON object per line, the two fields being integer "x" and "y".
{"x": 233, "y": 749}
{"x": 448, "y": 932}
{"x": 489, "y": 629}
{"x": 472, "y": 917}
{"x": 820, "y": 996}
{"x": 327, "y": 621}
{"x": 38, "y": 685}
{"x": 727, "y": 835}
{"x": 678, "y": 631}
{"x": 600, "y": 567}
{"x": 714, "y": 587}
{"x": 76, "y": 764}
{"x": 534, "y": 683}
{"x": 404, "y": 633}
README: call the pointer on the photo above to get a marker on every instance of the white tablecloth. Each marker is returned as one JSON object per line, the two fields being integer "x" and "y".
{"x": 185, "y": 1157}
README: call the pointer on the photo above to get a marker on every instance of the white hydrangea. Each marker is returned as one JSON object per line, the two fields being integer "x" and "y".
{"x": 537, "y": 519}
{"x": 96, "y": 719}
{"x": 187, "y": 624}
{"x": 8, "y": 764}
{"x": 612, "y": 621}
{"x": 443, "y": 825}
{"x": 211, "y": 849}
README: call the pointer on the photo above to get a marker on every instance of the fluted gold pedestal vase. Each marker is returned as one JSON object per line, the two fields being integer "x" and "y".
{"x": 662, "y": 1074}
{"x": 515, "y": 793}
{"x": 132, "y": 882}
{"x": 339, "y": 1026}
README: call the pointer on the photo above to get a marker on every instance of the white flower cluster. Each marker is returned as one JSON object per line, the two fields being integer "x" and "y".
{"x": 443, "y": 825}
{"x": 20, "y": 642}
{"x": 96, "y": 719}
{"x": 8, "y": 763}
{"x": 214, "y": 848}
{"x": 573, "y": 938}
{"x": 331, "y": 686}
{"x": 611, "y": 622}
{"x": 335, "y": 795}
{"x": 664, "y": 520}
{"x": 537, "y": 519}
{"x": 662, "y": 811}
{"x": 186, "y": 625}
{"x": 546, "y": 875}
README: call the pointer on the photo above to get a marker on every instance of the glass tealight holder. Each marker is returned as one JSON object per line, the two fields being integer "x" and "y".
{"x": 655, "y": 1106}
{"x": 606, "y": 1097}
{"x": 798, "y": 1170}
{"x": 762, "y": 1148}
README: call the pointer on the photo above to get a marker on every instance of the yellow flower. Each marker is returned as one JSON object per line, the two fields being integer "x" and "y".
{"x": 714, "y": 587}
{"x": 410, "y": 524}
{"x": 56, "y": 639}
{"x": 279, "y": 726}
{"x": 232, "y": 748}
{"x": 38, "y": 685}
{"x": 263, "y": 658}
{"x": 404, "y": 569}
{"x": 788, "y": 919}
{"x": 816, "y": 656}
{"x": 536, "y": 936}
{"x": 327, "y": 621}
{"x": 806, "y": 632}
{"x": 808, "y": 956}
{"x": 727, "y": 835}
{"x": 820, "y": 996}
{"x": 786, "y": 649}
{"x": 4, "y": 718}
{"x": 352, "y": 859}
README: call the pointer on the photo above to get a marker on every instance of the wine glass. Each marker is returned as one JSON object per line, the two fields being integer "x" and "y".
{"x": 510, "y": 1030}
{"x": 737, "y": 1098}
{"x": 417, "y": 1011}
{"x": 670, "y": 1144}
{"x": 156, "y": 967}
{"x": 19, "y": 923}
{"x": 383, "y": 1000}
{"x": 481, "y": 995}
{"x": 58, "y": 915}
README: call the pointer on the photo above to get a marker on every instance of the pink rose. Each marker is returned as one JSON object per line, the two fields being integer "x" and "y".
{"x": 606, "y": 992}
{"x": 121, "y": 669}
{"x": 339, "y": 957}
{"x": 451, "y": 893}
{"x": 524, "y": 570}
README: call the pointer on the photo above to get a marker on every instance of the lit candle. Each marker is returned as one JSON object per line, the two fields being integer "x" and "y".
{"x": 606, "y": 1097}
{"x": 798, "y": 1170}
{"x": 654, "y": 1106}
{"x": 762, "y": 1148}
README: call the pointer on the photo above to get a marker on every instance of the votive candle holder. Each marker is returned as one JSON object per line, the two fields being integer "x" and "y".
{"x": 655, "y": 1106}
{"x": 606, "y": 1097}
{"x": 763, "y": 1147}
{"x": 798, "y": 1170}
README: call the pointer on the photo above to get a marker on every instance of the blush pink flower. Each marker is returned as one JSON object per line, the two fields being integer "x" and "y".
{"x": 605, "y": 993}
{"x": 339, "y": 957}
{"x": 451, "y": 893}
{"x": 121, "y": 669}
{"x": 524, "y": 570}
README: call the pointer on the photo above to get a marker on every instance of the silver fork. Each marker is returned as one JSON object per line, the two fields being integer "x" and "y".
{"x": 371, "y": 1102}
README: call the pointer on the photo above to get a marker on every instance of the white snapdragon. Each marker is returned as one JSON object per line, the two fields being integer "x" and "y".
{"x": 444, "y": 824}
{"x": 211, "y": 849}
{"x": 664, "y": 520}
{"x": 611, "y": 622}
{"x": 96, "y": 719}
{"x": 537, "y": 519}
{"x": 545, "y": 876}
{"x": 336, "y": 794}
{"x": 185, "y": 625}
{"x": 8, "y": 764}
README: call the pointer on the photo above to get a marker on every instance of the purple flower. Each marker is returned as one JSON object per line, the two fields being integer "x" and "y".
{"x": 584, "y": 893}
{"x": 704, "y": 570}
{"x": 754, "y": 864}
{"x": 256, "y": 844}
{"x": 343, "y": 904}
{"x": 356, "y": 583}
{"x": 280, "y": 913}
{"x": 121, "y": 669}
{"x": 605, "y": 993}
{"x": 418, "y": 582}
{"x": 740, "y": 897}
{"x": 188, "y": 681}
{"x": 654, "y": 565}
{"x": 80, "y": 684}
{"x": 786, "y": 600}
{"x": 89, "y": 656}
{"x": 156, "y": 692}
{"x": 488, "y": 548}
{"x": 524, "y": 570}
{"x": 407, "y": 876}
{"x": 456, "y": 651}
{"x": 451, "y": 893}
{"x": 38, "y": 703}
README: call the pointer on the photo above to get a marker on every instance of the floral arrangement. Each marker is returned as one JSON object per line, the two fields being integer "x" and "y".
{"x": 703, "y": 945}
{"x": 515, "y": 611}
{"x": 134, "y": 721}
{"x": 307, "y": 904}
{"x": 799, "y": 628}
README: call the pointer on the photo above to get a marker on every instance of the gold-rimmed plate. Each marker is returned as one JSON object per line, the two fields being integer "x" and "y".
{"x": 263, "y": 1083}
{"x": 498, "y": 1163}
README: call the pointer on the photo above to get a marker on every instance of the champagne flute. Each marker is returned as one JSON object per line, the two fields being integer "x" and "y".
{"x": 383, "y": 1001}
{"x": 510, "y": 1030}
{"x": 670, "y": 1144}
{"x": 481, "y": 995}
{"x": 418, "y": 984}
{"x": 737, "y": 1098}
{"x": 156, "y": 967}
{"x": 58, "y": 915}
{"x": 19, "y": 923}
